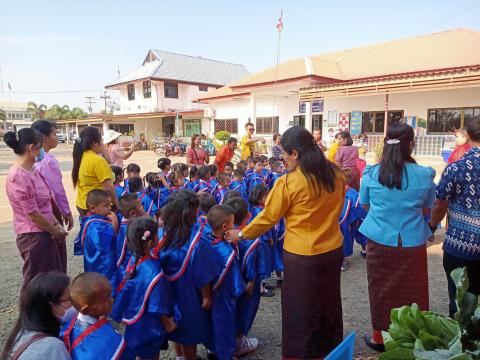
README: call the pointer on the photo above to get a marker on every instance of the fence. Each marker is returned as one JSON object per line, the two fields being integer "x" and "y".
{"x": 425, "y": 145}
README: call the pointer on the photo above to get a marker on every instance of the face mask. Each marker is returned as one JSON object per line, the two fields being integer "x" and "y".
{"x": 40, "y": 156}
{"x": 68, "y": 315}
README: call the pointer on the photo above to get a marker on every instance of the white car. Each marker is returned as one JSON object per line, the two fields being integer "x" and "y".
{"x": 61, "y": 137}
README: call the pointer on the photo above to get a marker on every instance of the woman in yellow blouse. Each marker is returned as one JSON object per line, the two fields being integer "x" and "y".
{"x": 310, "y": 198}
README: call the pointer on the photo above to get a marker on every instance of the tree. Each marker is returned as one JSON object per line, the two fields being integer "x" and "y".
{"x": 37, "y": 111}
{"x": 3, "y": 117}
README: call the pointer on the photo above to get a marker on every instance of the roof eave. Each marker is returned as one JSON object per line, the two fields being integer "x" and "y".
{"x": 288, "y": 80}
{"x": 206, "y": 100}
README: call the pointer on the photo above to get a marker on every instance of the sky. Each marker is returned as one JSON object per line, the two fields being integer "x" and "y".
{"x": 59, "y": 52}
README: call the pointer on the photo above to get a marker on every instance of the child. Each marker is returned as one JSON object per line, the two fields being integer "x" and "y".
{"x": 242, "y": 165}
{"x": 130, "y": 207}
{"x": 213, "y": 178}
{"x": 257, "y": 198}
{"x": 143, "y": 301}
{"x": 249, "y": 172}
{"x": 182, "y": 169}
{"x": 194, "y": 179}
{"x": 164, "y": 166}
{"x": 177, "y": 181}
{"x": 204, "y": 180}
{"x": 91, "y": 295}
{"x": 231, "y": 194}
{"x": 133, "y": 171}
{"x": 223, "y": 185}
{"x": 257, "y": 177}
{"x": 157, "y": 189}
{"x": 228, "y": 169}
{"x": 119, "y": 189}
{"x": 136, "y": 187}
{"x": 238, "y": 183}
{"x": 463, "y": 145}
{"x": 98, "y": 235}
{"x": 277, "y": 171}
{"x": 190, "y": 264}
{"x": 206, "y": 202}
{"x": 227, "y": 286}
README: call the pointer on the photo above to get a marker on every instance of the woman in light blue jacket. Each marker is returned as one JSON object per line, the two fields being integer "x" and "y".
{"x": 398, "y": 193}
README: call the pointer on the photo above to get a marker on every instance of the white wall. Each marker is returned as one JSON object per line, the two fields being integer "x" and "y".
{"x": 140, "y": 104}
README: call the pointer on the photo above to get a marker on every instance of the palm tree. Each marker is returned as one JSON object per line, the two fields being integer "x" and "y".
{"x": 36, "y": 110}
{"x": 3, "y": 117}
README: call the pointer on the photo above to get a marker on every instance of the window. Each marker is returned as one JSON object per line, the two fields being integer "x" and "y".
{"x": 171, "y": 90}
{"x": 230, "y": 125}
{"x": 264, "y": 125}
{"x": 299, "y": 120}
{"x": 131, "y": 91}
{"x": 374, "y": 121}
{"x": 122, "y": 128}
{"x": 147, "y": 89}
{"x": 444, "y": 120}
{"x": 202, "y": 87}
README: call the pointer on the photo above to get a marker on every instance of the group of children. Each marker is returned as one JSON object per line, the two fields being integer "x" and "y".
{"x": 163, "y": 268}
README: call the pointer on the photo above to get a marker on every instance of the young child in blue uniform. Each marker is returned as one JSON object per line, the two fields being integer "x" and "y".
{"x": 133, "y": 171}
{"x": 204, "y": 180}
{"x": 228, "y": 286}
{"x": 257, "y": 197}
{"x": 177, "y": 181}
{"x": 249, "y": 170}
{"x": 190, "y": 265}
{"x": 258, "y": 176}
{"x": 275, "y": 173}
{"x": 247, "y": 304}
{"x": 117, "y": 183}
{"x": 89, "y": 336}
{"x": 206, "y": 201}
{"x": 238, "y": 183}
{"x": 164, "y": 164}
{"x": 228, "y": 169}
{"x": 182, "y": 169}
{"x": 136, "y": 187}
{"x": 213, "y": 178}
{"x": 222, "y": 188}
{"x": 130, "y": 208}
{"x": 98, "y": 231}
{"x": 143, "y": 301}
{"x": 194, "y": 179}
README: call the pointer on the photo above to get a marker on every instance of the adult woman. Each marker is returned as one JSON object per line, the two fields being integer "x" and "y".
{"x": 117, "y": 153}
{"x": 196, "y": 155}
{"x": 310, "y": 197}
{"x": 397, "y": 192}
{"x": 40, "y": 237}
{"x": 50, "y": 170}
{"x": 90, "y": 170}
{"x": 346, "y": 157}
{"x": 277, "y": 148}
{"x": 45, "y": 306}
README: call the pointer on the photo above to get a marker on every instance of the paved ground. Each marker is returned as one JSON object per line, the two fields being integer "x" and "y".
{"x": 267, "y": 326}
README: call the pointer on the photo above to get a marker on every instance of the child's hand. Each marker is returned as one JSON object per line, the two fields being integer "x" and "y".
{"x": 270, "y": 242}
{"x": 249, "y": 288}
{"x": 168, "y": 323}
{"x": 207, "y": 303}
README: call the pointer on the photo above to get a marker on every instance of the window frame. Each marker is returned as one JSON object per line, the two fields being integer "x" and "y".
{"x": 379, "y": 113}
{"x": 131, "y": 92}
{"x": 263, "y": 125}
{"x": 461, "y": 109}
{"x": 170, "y": 84}
{"x": 203, "y": 88}
{"x": 226, "y": 125}
{"x": 147, "y": 89}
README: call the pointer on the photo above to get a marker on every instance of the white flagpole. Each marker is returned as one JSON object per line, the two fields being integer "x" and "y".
{"x": 280, "y": 29}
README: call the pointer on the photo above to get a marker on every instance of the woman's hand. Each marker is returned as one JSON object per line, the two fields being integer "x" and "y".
{"x": 59, "y": 233}
{"x": 68, "y": 220}
{"x": 232, "y": 236}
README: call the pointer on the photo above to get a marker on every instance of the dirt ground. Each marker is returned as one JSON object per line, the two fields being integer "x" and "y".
{"x": 267, "y": 327}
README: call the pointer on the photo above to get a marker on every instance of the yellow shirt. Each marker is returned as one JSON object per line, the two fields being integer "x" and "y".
{"x": 332, "y": 151}
{"x": 94, "y": 170}
{"x": 247, "y": 148}
{"x": 311, "y": 222}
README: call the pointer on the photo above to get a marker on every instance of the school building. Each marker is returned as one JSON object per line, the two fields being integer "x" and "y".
{"x": 431, "y": 82}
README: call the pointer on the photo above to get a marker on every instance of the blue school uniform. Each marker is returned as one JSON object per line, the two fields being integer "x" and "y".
{"x": 140, "y": 302}
{"x": 122, "y": 253}
{"x": 220, "y": 193}
{"x": 256, "y": 179}
{"x": 203, "y": 186}
{"x": 119, "y": 191}
{"x": 227, "y": 287}
{"x": 266, "y": 252}
{"x": 148, "y": 204}
{"x": 213, "y": 185}
{"x": 240, "y": 187}
{"x": 98, "y": 242}
{"x": 279, "y": 235}
{"x": 203, "y": 222}
{"x": 99, "y": 340}
{"x": 126, "y": 186}
{"x": 349, "y": 218}
{"x": 248, "y": 176}
{"x": 273, "y": 177}
{"x": 191, "y": 185}
{"x": 247, "y": 307}
{"x": 188, "y": 269}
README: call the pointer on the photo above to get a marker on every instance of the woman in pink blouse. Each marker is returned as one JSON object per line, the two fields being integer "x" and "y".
{"x": 40, "y": 237}
{"x": 347, "y": 156}
{"x": 196, "y": 155}
{"x": 117, "y": 153}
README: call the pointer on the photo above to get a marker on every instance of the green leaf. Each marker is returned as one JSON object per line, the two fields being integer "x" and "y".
{"x": 397, "y": 354}
{"x": 431, "y": 342}
{"x": 466, "y": 308}
{"x": 455, "y": 346}
{"x": 439, "y": 354}
{"x": 460, "y": 278}
{"x": 389, "y": 342}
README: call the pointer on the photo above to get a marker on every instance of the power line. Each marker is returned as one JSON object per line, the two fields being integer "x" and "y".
{"x": 450, "y": 17}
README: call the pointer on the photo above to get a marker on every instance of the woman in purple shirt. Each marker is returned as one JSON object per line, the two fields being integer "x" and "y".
{"x": 40, "y": 237}
{"x": 346, "y": 157}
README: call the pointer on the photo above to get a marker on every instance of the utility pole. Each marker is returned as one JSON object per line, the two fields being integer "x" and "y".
{"x": 105, "y": 97}
{"x": 90, "y": 100}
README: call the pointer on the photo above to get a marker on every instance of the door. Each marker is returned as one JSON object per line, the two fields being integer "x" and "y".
{"x": 299, "y": 120}
{"x": 192, "y": 127}
{"x": 316, "y": 122}
{"x": 168, "y": 125}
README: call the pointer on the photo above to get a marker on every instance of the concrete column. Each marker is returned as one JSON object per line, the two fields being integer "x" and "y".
{"x": 308, "y": 116}
{"x": 104, "y": 126}
{"x": 67, "y": 133}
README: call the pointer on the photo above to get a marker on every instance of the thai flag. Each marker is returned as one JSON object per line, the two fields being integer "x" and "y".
{"x": 280, "y": 22}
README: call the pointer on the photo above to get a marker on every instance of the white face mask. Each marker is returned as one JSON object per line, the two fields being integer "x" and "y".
{"x": 68, "y": 314}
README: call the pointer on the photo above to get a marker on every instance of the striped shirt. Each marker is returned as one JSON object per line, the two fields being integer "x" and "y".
{"x": 48, "y": 348}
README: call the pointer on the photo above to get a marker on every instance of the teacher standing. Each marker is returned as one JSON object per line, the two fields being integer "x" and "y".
{"x": 310, "y": 197}
{"x": 196, "y": 155}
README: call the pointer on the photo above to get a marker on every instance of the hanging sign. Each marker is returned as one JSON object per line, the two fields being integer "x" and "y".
{"x": 344, "y": 122}
{"x": 355, "y": 122}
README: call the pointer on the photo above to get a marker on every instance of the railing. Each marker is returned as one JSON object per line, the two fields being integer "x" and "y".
{"x": 425, "y": 145}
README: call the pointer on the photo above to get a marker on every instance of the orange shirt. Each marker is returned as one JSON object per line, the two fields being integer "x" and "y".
{"x": 222, "y": 157}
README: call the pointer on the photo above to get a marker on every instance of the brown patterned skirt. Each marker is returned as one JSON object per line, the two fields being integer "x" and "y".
{"x": 312, "y": 322}
{"x": 397, "y": 276}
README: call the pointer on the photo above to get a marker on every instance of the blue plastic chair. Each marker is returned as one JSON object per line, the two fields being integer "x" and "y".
{"x": 344, "y": 350}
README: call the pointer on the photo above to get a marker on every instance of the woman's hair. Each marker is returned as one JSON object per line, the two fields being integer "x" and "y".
{"x": 194, "y": 136}
{"x": 44, "y": 126}
{"x": 256, "y": 194}
{"x": 140, "y": 230}
{"x": 193, "y": 172}
{"x": 346, "y": 138}
{"x": 132, "y": 167}
{"x": 180, "y": 215}
{"x": 88, "y": 136}
{"x": 117, "y": 171}
{"x": 162, "y": 163}
{"x": 21, "y": 140}
{"x": 473, "y": 130}
{"x": 396, "y": 152}
{"x": 35, "y": 307}
{"x": 312, "y": 162}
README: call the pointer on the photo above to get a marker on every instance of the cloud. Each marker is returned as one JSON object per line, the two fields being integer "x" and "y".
{"x": 28, "y": 40}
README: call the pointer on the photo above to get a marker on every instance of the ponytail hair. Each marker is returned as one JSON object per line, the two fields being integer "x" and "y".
{"x": 88, "y": 136}
{"x": 180, "y": 214}
{"x": 140, "y": 230}
{"x": 396, "y": 152}
{"x": 22, "y": 139}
